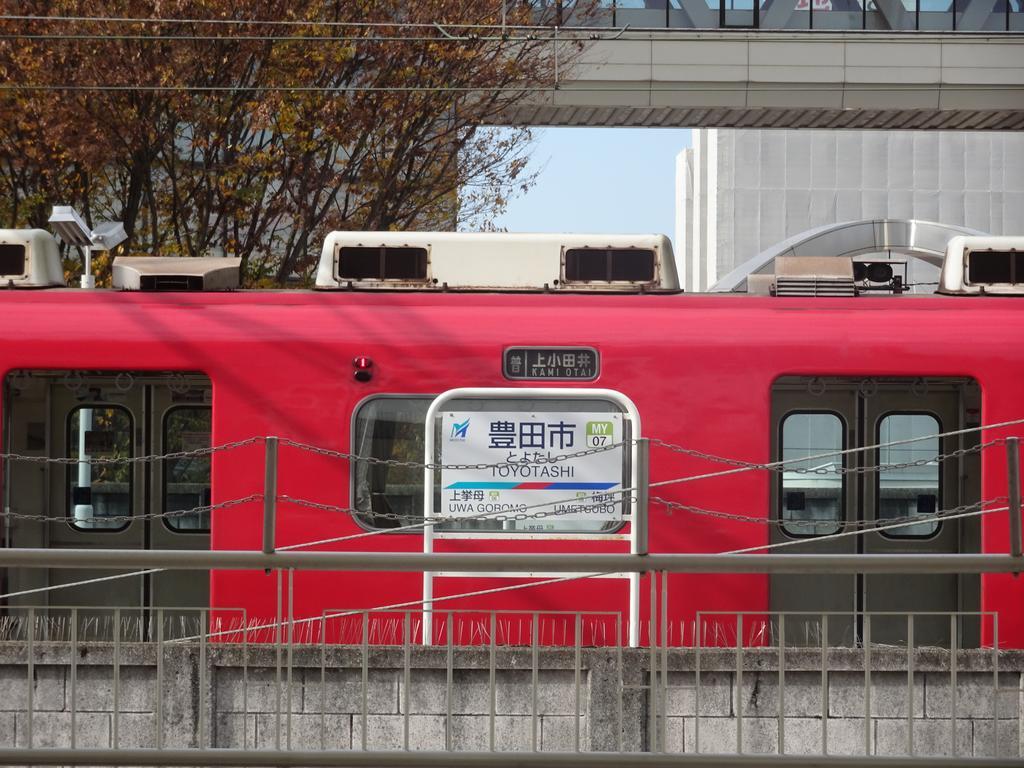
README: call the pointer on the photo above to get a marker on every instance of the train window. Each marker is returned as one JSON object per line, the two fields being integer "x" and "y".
{"x": 914, "y": 490}
{"x": 100, "y": 494}
{"x": 186, "y": 478}
{"x": 390, "y": 495}
{"x": 383, "y": 263}
{"x": 811, "y": 498}
{"x": 584, "y": 265}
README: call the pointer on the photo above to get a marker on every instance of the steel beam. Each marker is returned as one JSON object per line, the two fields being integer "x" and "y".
{"x": 416, "y": 759}
{"x": 176, "y": 559}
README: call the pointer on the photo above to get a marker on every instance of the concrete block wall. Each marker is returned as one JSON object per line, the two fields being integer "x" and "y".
{"x": 803, "y": 703}
{"x": 73, "y": 705}
{"x": 232, "y": 699}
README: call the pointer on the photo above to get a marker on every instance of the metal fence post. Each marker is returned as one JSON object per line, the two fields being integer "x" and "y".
{"x": 269, "y": 494}
{"x": 639, "y": 540}
{"x": 1013, "y": 478}
{"x": 643, "y": 476}
{"x": 652, "y": 637}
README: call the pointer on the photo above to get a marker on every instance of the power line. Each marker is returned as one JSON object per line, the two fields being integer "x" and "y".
{"x": 496, "y": 89}
{"x": 232, "y": 38}
{"x": 161, "y": 20}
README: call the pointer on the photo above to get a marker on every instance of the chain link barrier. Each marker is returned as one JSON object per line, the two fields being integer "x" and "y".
{"x": 103, "y": 519}
{"x": 855, "y": 524}
{"x": 422, "y": 521}
{"x": 523, "y": 515}
{"x": 110, "y": 460}
{"x": 375, "y": 461}
{"x": 831, "y": 469}
{"x": 539, "y": 459}
{"x": 328, "y": 452}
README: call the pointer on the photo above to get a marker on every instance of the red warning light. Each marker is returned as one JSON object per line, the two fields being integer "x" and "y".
{"x": 362, "y": 364}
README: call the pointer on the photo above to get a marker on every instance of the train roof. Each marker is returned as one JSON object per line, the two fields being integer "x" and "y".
{"x": 680, "y": 301}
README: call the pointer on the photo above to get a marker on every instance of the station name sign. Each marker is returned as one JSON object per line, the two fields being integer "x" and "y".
{"x": 551, "y": 468}
{"x": 551, "y": 363}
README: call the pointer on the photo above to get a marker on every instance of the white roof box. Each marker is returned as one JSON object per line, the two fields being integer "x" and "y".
{"x": 499, "y": 261}
{"x": 29, "y": 258}
{"x": 171, "y": 273}
{"x": 983, "y": 265}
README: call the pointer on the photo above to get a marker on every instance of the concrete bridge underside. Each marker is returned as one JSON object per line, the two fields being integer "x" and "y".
{"x": 758, "y": 79}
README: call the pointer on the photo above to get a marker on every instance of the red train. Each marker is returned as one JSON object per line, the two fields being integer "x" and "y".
{"x": 173, "y": 368}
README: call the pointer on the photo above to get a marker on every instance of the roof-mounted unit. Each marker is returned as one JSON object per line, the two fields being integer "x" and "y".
{"x": 496, "y": 261}
{"x": 29, "y": 258}
{"x": 983, "y": 265}
{"x": 807, "y": 276}
{"x": 168, "y": 273}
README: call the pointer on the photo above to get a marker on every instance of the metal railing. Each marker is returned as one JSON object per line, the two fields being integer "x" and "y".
{"x": 100, "y": 685}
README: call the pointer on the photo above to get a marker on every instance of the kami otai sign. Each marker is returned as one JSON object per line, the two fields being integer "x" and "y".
{"x": 531, "y": 462}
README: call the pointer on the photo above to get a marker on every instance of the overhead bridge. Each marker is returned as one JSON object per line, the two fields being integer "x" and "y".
{"x": 883, "y": 64}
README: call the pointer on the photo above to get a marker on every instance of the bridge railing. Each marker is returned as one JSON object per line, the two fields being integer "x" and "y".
{"x": 790, "y": 15}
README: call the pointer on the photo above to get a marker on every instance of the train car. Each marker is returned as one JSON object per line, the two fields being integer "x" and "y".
{"x": 96, "y": 382}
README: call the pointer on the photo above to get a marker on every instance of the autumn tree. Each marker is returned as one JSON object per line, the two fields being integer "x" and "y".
{"x": 202, "y": 125}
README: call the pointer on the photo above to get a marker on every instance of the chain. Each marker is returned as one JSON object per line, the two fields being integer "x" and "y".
{"x": 203, "y": 509}
{"x": 423, "y": 520}
{"x": 707, "y": 456}
{"x": 132, "y": 459}
{"x": 859, "y": 524}
{"x": 938, "y": 458}
{"x": 374, "y": 461}
{"x": 537, "y": 459}
{"x": 783, "y": 466}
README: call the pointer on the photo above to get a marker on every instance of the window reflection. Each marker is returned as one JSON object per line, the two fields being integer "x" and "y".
{"x": 909, "y": 491}
{"x": 100, "y": 493}
{"x": 811, "y": 503}
{"x": 187, "y": 479}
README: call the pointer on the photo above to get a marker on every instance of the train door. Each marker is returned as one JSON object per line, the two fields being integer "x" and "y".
{"x": 104, "y": 492}
{"x": 94, "y": 503}
{"x": 819, "y": 497}
{"x": 812, "y": 500}
{"x": 894, "y": 414}
{"x": 180, "y": 422}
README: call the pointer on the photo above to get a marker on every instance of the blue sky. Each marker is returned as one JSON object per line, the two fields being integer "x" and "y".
{"x": 600, "y": 180}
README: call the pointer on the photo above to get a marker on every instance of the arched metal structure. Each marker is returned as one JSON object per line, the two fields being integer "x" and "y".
{"x": 925, "y": 240}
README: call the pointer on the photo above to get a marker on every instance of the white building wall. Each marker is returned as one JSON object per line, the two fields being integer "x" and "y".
{"x": 745, "y": 190}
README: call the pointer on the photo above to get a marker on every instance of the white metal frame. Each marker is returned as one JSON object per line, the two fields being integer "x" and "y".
{"x": 629, "y": 410}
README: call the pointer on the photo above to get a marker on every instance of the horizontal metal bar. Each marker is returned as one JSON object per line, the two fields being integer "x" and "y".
{"x": 177, "y": 559}
{"x": 396, "y": 759}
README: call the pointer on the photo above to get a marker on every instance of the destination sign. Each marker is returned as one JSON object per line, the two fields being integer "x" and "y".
{"x": 551, "y": 363}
